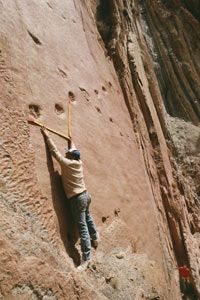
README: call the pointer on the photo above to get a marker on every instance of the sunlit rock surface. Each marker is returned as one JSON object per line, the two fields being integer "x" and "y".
{"x": 124, "y": 65}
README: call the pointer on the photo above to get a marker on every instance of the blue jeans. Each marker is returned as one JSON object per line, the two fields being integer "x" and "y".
{"x": 82, "y": 217}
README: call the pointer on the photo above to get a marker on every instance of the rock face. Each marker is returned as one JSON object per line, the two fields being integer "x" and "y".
{"x": 177, "y": 60}
{"x": 123, "y": 64}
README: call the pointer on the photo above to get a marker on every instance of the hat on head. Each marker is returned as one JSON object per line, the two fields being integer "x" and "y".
{"x": 75, "y": 153}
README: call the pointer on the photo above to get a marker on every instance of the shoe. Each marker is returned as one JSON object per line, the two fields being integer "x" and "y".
{"x": 95, "y": 242}
{"x": 83, "y": 266}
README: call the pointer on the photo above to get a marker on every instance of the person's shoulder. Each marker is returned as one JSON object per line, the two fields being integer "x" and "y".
{"x": 74, "y": 162}
{"x": 67, "y": 161}
{"x": 77, "y": 163}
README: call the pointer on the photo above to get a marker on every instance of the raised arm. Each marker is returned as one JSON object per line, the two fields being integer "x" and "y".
{"x": 52, "y": 147}
{"x": 72, "y": 145}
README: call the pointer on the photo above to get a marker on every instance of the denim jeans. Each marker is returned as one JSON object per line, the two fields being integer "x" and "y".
{"x": 82, "y": 217}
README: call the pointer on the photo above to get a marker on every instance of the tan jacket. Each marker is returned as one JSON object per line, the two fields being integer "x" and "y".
{"x": 71, "y": 170}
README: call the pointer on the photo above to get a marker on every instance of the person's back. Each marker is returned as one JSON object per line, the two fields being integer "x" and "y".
{"x": 72, "y": 177}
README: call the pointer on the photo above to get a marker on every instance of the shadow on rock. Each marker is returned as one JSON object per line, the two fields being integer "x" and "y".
{"x": 68, "y": 230}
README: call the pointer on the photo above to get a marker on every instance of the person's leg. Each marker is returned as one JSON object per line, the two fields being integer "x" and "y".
{"x": 90, "y": 223}
{"x": 79, "y": 207}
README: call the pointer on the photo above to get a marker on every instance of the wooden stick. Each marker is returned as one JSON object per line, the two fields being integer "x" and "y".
{"x": 34, "y": 122}
{"x": 69, "y": 123}
{"x": 69, "y": 118}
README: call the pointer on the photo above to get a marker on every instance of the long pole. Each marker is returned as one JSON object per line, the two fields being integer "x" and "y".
{"x": 69, "y": 124}
{"x": 34, "y": 122}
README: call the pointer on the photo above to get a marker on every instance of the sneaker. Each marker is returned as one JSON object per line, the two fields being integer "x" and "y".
{"x": 83, "y": 266}
{"x": 95, "y": 242}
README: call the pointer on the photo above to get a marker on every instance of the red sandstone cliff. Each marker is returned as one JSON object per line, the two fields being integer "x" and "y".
{"x": 126, "y": 66}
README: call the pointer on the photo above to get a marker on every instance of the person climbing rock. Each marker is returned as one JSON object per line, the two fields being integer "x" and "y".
{"x": 80, "y": 199}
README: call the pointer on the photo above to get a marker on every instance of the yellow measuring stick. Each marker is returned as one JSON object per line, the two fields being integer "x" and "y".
{"x": 69, "y": 120}
{"x": 35, "y": 122}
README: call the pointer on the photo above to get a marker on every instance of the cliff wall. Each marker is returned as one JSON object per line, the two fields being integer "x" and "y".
{"x": 101, "y": 55}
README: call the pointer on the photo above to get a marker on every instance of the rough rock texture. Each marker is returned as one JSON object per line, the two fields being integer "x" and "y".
{"x": 177, "y": 54}
{"x": 117, "y": 61}
{"x": 186, "y": 139}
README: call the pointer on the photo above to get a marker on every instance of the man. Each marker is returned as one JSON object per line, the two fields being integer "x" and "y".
{"x": 80, "y": 199}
